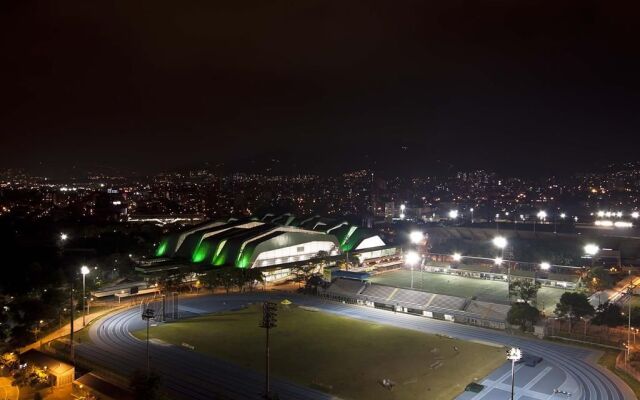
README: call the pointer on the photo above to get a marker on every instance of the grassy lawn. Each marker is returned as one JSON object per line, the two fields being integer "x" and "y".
{"x": 608, "y": 360}
{"x": 491, "y": 291}
{"x": 339, "y": 355}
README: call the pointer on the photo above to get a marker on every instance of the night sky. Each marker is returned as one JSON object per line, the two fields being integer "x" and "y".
{"x": 517, "y": 86}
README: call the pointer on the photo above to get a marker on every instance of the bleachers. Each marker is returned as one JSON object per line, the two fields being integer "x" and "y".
{"x": 345, "y": 287}
{"x": 448, "y": 302}
{"x": 488, "y": 310}
{"x": 375, "y": 292}
{"x": 412, "y": 298}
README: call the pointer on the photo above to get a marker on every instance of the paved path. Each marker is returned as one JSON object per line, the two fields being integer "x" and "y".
{"x": 194, "y": 376}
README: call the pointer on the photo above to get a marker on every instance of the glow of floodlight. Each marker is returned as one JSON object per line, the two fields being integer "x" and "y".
{"x": 411, "y": 258}
{"x": 542, "y": 214}
{"x": 635, "y": 215}
{"x": 498, "y": 261}
{"x": 563, "y": 215}
{"x": 545, "y": 266}
{"x": 84, "y": 270}
{"x": 500, "y": 242}
{"x": 453, "y": 214}
{"x": 416, "y": 237}
{"x": 591, "y": 249}
{"x": 457, "y": 257}
{"x": 64, "y": 236}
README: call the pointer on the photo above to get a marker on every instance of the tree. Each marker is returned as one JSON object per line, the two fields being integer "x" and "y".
{"x": 609, "y": 314}
{"x": 525, "y": 290}
{"x": 523, "y": 314}
{"x": 146, "y": 387}
{"x": 599, "y": 279}
{"x": 573, "y": 306}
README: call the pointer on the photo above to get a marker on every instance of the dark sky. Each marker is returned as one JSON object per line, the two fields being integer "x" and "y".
{"x": 513, "y": 85}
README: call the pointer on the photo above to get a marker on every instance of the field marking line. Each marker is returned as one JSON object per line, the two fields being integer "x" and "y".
{"x": 392, "y": 294}
{"x": 535, "y": 380}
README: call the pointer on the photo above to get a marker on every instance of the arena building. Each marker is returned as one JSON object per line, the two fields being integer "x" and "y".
{"x": 270, "y": 241}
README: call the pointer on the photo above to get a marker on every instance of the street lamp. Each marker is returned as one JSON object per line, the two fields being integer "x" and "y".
{"x": 471, "y": 210}
{"x": 453, "y": 214}
{"x": 635, "y": 215}
{"x": 416, "y": 237}
{"x": 514, "y": 354}
{"x": 84, "y": 270}
{"x": 457, "y": 257}
{"x": 498, "y": 261}
{"x": 545, "y": 266}
{"x": 63, "y": 236}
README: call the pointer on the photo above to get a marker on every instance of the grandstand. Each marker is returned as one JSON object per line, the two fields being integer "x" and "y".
{"x": 432, "y": 305}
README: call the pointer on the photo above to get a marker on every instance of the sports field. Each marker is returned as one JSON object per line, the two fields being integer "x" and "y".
{"x": 491, "y": 291}
{"x": 345, "y": 357}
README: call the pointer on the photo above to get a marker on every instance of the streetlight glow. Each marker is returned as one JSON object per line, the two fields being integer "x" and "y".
{"x": 416, "y": 237}
{"x": 453, "y": 214}
{"x": 635, "y": 215}
{"x": 64, "y": 236}
{"x": 498, "y": 261}
{"x": 563, "y": 215}
{"x": 545, "y": 266}
{"x": 542, "y": 215}
{"x": 84, "y": 270}
{"x": 457, "y": 257}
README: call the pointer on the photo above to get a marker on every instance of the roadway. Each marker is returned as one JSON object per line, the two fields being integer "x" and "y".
{"x": 191, "y": 375}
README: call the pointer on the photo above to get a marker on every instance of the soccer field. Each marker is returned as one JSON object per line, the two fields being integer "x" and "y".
{"x": 345, "y": 357}
{"x": 486, "y": 290}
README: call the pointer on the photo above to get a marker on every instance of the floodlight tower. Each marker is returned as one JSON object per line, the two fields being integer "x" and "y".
{"x": 84, "y": 270}
{"x": 269, "y": 320}
{"x": 514, "y": 354}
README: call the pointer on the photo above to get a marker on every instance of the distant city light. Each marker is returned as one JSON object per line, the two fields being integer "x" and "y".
{"x": 453, "y": 214}
{"x": 600, "y": 214}
{"x": 416, "y": 237}
{"x": 401, "y": 215}
{"x": 635, "y": 215}
{"x": 498, "y": 261}
{"x": 563, "y": 215}
{"x": 64, "y": 236}
{"x": 545, "y": 266}
{"x": 402, "y": 207}
{"x": 457, "y": 256}
{"x": 542, "y": 215}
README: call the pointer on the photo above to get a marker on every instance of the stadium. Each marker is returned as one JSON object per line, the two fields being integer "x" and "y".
{"x": 272, "y": 242}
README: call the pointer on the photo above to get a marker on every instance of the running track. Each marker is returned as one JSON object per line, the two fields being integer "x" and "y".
{"x": 190, "y": 375}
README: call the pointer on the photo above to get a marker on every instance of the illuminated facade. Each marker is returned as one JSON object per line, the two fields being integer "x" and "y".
{"x": 270, "y": 241}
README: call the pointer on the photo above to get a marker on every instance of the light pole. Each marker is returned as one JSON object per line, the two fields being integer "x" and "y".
{"x": 514, "y": 354}
{"x": 411, "y": 258}
{"x": 501, "y": 242}
{"x": 148, "y": 315}
{"x": 471, "y": 210}
{"x": 84, "y": 270}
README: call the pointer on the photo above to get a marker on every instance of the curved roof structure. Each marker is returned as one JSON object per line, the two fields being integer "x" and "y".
{"x": 270, "y": 240}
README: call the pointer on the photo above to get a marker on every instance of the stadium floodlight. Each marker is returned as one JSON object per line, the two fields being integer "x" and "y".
{"x": 500, "y": 242}
{"x": 591, "y": 249}
{"x": 498, "y": 261}
{"x": 542, "y": 215}
{"x": 453, "y": 214}
{"x": 545, "y": 266}
{"x": 635, "y": 215}
{"x": 563, "y": 215}
{"x": 416, "y": 237}
{"x": 457, "y": 257}
{"x": 401, "y": 215}
{"x": 411, "y": 258}
{"x": 402, "y": 207}
{"x": 63, "y": 236}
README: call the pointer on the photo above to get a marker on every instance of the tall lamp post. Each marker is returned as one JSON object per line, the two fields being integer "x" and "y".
{"x": 84, "y": 271}
{"x": 411, "y": 258}
{"x": 501, "y": 242}
{"x": 514, "y": 354}
{"x": 147, "y": 316}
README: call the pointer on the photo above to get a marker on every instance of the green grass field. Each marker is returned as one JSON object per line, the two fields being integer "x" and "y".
{"x": 342, "y": 356}
{"x": 492, "y": 291}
